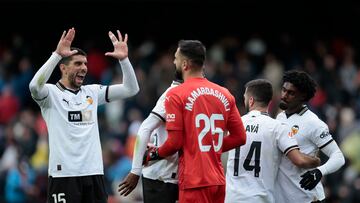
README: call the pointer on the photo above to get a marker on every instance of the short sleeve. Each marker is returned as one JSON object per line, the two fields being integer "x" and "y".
{"x": 320, "y": 134}
{"x": 286, "y": 141}
{"x": 159, "y": 109}
{"x": 173, "y": 108}
{"x": 102, "y": 92}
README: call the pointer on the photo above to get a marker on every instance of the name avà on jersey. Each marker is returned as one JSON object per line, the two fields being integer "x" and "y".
{"x": 252, "y": 128}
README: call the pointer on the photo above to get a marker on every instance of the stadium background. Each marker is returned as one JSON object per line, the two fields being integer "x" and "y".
{"x": 244, "y": 41}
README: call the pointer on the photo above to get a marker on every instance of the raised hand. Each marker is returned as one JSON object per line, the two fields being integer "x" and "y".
{"x": 128, "y": 184}
{"x": 63, "y": 47}
{"x": 120, "y": 46}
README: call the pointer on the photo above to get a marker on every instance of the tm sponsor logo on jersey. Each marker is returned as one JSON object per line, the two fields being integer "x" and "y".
{"x": 170, "y": 117}
{"x": 206, "y": 91}
{"x": 79, "y": 116}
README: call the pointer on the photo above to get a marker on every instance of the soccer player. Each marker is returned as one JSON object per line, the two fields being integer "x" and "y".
{"x": 159, "y": 179}
{"x": 199, "y": 115}
{"x": 312, "y": 135}
{"x": 252, "y": 168}
{"x": 70, "y": 111}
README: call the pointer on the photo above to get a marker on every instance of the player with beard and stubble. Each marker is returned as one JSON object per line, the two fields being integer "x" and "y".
{"x": 312, "y": 134}
{"x": 202, "y": 121}
{"x": 69, "y": 107}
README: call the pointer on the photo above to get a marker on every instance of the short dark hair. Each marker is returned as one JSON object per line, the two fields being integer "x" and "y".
{"x": 65, "y": 60}
{"x": 302, "y": 81}
{"x": 261, "y": 90}
{"x": 194, "y": 50}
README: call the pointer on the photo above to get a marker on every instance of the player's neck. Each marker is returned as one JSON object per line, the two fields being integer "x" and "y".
{"x": 259, "y": 108}
{"x": 193, "y": 75}
{"x": 66, "y": 84}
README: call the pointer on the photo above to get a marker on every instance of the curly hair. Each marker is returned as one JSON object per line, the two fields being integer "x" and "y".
{"x": 302, "y": 81}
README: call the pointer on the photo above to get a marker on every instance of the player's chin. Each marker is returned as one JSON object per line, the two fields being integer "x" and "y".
{"x": 283, "y": 105}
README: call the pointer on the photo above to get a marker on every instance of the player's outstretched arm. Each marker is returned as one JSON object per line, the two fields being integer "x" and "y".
{"x": 130, "y": 86}
{"x": 302, "y": 160}
{"x": 143, "y": 137}
{"x": 37, "y": 84}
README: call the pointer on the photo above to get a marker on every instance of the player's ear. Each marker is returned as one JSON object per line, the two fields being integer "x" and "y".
{"x": 185, "y": 64}
{"x": 251, "y": 101}
{"x": 62, "y": 68}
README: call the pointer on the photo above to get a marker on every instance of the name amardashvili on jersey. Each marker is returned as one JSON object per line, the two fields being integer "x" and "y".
{"x": 206, "y": 91}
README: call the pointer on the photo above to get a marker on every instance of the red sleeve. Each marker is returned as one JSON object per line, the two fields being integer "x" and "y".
{"x": 237, "y": 135}
{"x": 173, "y": 143}
{"x": 173, "y": 109}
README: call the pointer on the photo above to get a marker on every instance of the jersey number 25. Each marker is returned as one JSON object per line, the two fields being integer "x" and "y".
{"x": 209, "y": 125}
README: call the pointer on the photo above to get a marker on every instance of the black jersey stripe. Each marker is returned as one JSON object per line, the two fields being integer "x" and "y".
{"x": 158, "y": 115}
{"x": 290, "y": 148}
{"x": 107, "y": 94}
{"x": 324, "y": 145}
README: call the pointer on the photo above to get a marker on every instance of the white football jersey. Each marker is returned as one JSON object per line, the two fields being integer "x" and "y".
{"x": 252, "y": 168}
{"x": 165, "y": 169}
{"x": 71, "y": 119}
{"x": 311, "y": 134}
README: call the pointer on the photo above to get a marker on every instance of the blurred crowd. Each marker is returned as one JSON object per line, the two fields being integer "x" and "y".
{"x": 231, "y": 62}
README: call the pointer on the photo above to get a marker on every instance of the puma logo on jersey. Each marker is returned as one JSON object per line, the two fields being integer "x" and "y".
{"x": 252, "y": 128}
{"x": 66, "y": 101}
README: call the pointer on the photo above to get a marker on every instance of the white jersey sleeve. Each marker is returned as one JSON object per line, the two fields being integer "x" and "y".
{"x": 285, "y": 141}
{"x": 320, "y": 134}
{"x": 102, "y": 93}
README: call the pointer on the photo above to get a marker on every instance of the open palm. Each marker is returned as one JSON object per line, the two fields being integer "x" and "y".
{"x": 63, "y": 47}
{"x": 120, "y": 46}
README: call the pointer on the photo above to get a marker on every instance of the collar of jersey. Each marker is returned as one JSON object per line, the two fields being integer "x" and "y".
{"x": 176, "y": 82}
{"x": 300, "y": 112}
{"x": 63, "y": 88}
{"x": 256, "y": 113}
{"x": 193, "y": 79}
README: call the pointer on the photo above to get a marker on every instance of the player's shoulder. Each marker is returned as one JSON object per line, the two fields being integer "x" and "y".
{"x": 312, "y": 119}
{"x": 164, "y": 94}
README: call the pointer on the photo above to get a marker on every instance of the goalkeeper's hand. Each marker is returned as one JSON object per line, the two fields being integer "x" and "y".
{"x": 310, "y": 179}
{"x": 151, "y": 154}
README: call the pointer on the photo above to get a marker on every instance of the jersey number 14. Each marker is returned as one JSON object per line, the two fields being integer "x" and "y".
{"x": 255, "y": 148}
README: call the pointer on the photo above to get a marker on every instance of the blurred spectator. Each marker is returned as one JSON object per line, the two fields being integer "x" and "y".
{"x": 9, "y": 105}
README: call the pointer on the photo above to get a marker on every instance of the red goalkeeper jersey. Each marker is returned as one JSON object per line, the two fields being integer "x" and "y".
{"x": 204, "y": 112}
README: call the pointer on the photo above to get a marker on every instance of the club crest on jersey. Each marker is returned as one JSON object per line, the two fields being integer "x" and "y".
{"x": 294, "y": 130}
{"x": 89, "y": 99}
